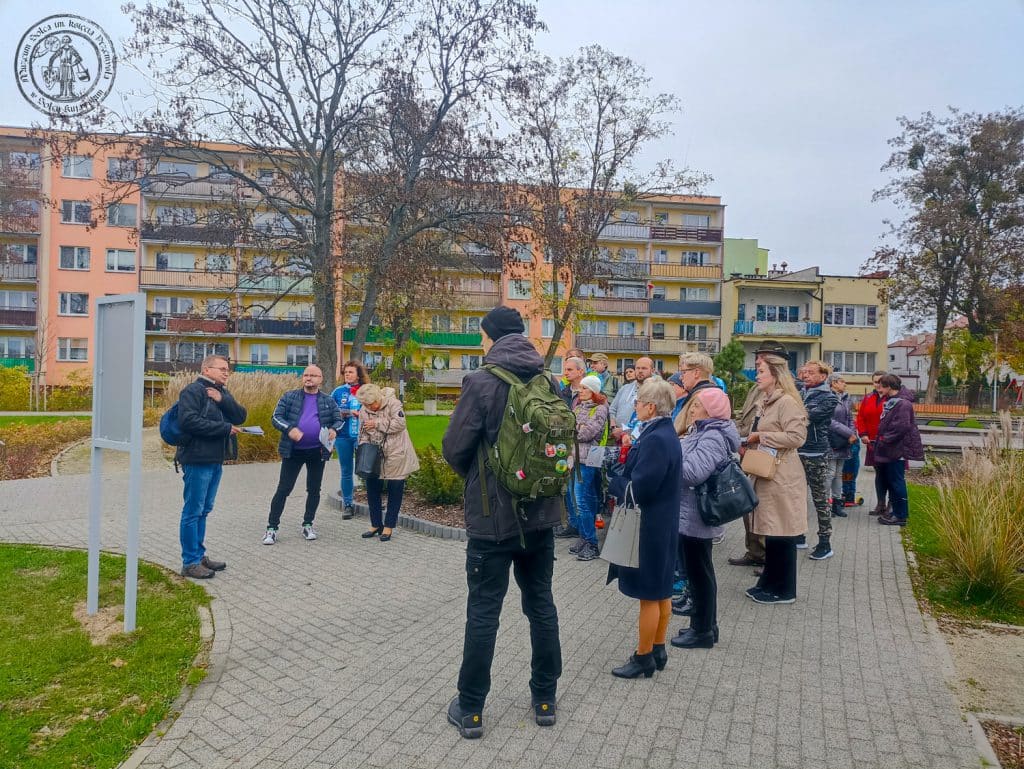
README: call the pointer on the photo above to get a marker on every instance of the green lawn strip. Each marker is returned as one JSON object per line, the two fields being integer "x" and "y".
{"x": 426, "y": 430}
{"x": 65, "y": 702}
{"x": 933, "y": 580}
{"x": 34, "y": 419}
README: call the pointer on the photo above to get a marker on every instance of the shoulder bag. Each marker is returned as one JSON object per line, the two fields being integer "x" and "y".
{"x": 761, "y": 461}
{"x": 622, "y": 543}
{"x": 369, "y": 460}
{"x": 726, "y": 495}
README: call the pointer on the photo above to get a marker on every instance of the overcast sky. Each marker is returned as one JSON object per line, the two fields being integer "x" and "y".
{"x": 786, "y": 103}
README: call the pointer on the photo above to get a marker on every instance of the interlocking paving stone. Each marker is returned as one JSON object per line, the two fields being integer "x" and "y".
{"x": 344, "y": 652}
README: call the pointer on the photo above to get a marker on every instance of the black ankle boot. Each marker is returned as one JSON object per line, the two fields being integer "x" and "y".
{"x": 638, "y": 665}
{"x": 660, "y": 656}
{"x": 838, "y": 510}
{"x": 691, "y": 639}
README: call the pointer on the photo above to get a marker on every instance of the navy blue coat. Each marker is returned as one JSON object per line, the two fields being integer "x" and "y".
{"x": 653, "y": 466}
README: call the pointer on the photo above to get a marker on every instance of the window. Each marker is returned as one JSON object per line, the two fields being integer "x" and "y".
{"x": 851, "y": 362}
{"x": 372, "y": 359}
{"x": 629, "y": 217}
{"x": 657, "y": 330}
{"x": 218, "y": 308}
{"x": 851, "y": 315}
{"x": 521, "y": 252}
{"x": 547, "y": 327}
{"x": 627, "y": 328}
{"x": 122, "y": 214}
{"x": 24, "y": 160}
{"x": 122, "y": 169}
{"x": 17, "y": 347}
{"x": 17, "y": 300}
{"x": 594, "y": 327}
{"x": 695, "y": 294}
{"x": 629, "y": 292}
{"x": 692, "y": 333}
{"x": 471, "y": 324}
{"x": 173, "y": 260}
{"x": 301, "y": 312}
{"x": 72, "y": 348}
{"x": 219, "y": 263}
{"x": 77, "y": 167}
{"x": 74, "y": 257}
{"x": 741, "y": 312}
{"x": 175, "y": 168}
{"x": 519, "y": 289}
{"x": 161, "y": 352}
{"x": 21, "y": 253}
{"x": 70, "y": 303}
{"x": 441, "y": 324}
{"x": 220, "y": 175}
{"x": 590, "y": 290}
{"x": 302, "y": 354}
{"x": 780, "y": 313}
{"x": 628, "y": 254}
{"x": 75, "y": 212}
{"x": 194, "y": 352}
{"x": 265, "y": 175}
{"x": 549, "y": 254}
{"x": 661, "y": 219}
{"x": 658, "y": 292}
{"x": 176, "y": 215}
{"x": 550, "y": 287}
{"x": 172, "y": 305}
{"x": 440, "y": 362}
{"x": 697, "y": 220}
{"x": 622, "y": 364}
{"x": 259, "y": 353}
{"x": 120, "y": 260}
{"x": 694, "y": 258}
{"x": 661, "y": 256}
{"x": 470, "y": 362}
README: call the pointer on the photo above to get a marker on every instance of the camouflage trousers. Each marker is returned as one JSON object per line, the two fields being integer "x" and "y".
{"x": 816, "y": 470}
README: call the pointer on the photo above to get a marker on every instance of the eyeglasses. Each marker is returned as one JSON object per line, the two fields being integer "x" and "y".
{"x": 687, "y": 370}
{"x": 218, "y": 368}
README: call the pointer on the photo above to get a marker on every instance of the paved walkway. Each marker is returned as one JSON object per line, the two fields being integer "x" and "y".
{"x": 344, "y": 652}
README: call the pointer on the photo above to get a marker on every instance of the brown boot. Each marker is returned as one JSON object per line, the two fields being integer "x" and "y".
{"x": 878, "y": 509}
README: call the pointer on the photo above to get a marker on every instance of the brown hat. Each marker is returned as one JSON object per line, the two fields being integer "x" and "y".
{"x": 598, "y": 356}
{"x": 770, "y": 347}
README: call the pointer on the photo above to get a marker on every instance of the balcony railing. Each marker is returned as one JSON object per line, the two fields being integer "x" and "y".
{"x": 274, "y": 326}
{"x": 679, "y": 346}
{"x": 672, "y": 307}
{"x": 433, "y": 338}
{"x": 446, "y": 377}
{"x": 605, "y": 343}
{"x": 476, "y": 300}
{"x": 614, "y": 268}
{"x": 17, "y": 318}
{"x": 19, "y": 223}
{"x": 172, "y": 366}
{"x": 17, "y": 271}
{"x": 273, "y": 284}
{"x": 270, "y": 367}
{"x": 614, "y": 305}
{"x": 226, "y": 280}
{"x": 188, "y": 324}
{"x": 176, "y": 366}
{"x": 645, "y": 231}
{"x": 27, "y": 363}
{"x": 170, "y": 186}
{"x": 190, "y": 233}
{"x": 776, "y": 328}
{"x": 707, "y": 271}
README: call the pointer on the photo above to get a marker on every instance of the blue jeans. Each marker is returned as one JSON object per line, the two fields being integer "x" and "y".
{"x": 894, "y": 476}
{"x": 570, "y": 509}
{"x": 585, "y": 490}
{"x": 201, "y": 483}
{"x": 851, "y": 467}
{"x": 346, "y": 447}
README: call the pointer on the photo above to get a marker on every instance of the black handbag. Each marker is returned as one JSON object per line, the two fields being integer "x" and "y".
{"x": 369, "y": 460}
{"x": 726, "y": 495}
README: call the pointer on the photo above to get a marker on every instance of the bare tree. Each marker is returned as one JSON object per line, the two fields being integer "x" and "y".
{"x": 582, "y": 125}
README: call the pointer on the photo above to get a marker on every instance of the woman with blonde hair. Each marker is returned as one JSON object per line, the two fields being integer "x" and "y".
{"x": 592, "y": 427}
{"x": 780, "y": 428}
{"x": 382, "y": 421}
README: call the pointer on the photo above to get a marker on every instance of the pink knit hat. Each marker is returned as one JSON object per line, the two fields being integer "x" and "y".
{"x": 715, "y": 402}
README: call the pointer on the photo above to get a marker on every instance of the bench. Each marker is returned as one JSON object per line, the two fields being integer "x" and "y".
{"x": 947, "y": 412}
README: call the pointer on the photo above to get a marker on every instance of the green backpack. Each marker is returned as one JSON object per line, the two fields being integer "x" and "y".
{"x": 536, "y": 439}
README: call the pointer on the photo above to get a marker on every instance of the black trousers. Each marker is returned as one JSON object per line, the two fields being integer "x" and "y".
{"x": 779, "y": 573}
{"x": 696, "y": 553}
{"x": 396, "y": 490}
{"x": 312, "y": 460}
{"x": 487, "y": 565}
{"x": 881, "y": 488}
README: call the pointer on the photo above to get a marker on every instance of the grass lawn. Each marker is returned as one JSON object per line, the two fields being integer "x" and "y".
{"x": 934, "y": 583}
{"x": 34, "y": 419}
{"x": 426, "y": 430}
{"x": 65, "y": 702}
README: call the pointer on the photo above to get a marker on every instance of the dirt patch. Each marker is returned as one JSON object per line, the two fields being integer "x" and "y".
{"x": 1008, "y": 743}
{"x": 414, "y": 505}
{"x": 47, "y": 572}
{"x": 990, "y": 667}
{"x": 101, "y": 626}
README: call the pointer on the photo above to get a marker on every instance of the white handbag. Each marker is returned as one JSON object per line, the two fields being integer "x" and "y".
{"x": 622, "y": 543}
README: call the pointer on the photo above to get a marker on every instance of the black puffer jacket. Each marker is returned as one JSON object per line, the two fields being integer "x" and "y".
{"x": 289, "y": 410}
{"x": 475, "y": 423}
{"x": 208, "y": 423}
{"x": 820, "y": 403}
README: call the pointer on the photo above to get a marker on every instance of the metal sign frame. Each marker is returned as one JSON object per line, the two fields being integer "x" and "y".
{"x": 118, "y": 370}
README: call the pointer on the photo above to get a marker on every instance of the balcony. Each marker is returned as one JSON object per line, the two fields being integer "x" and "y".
{"x": 693, "y": 271}
{"x": 274, "y": 327}
{"x": 26, "y": 363}
{"x": 776, "y": 328}
{"x": 16, "y": 271}
{"x": 187, "y": 324}
{"x": 446, "y": 377}
{"x": 226, "y": 280}
{"x": 183, "y": 187}
{"x": 604, "y": 343}
{"x": 19, "y": 222}
{"x": 670, "y": 307}
{"x": 474, "y": 300}
{"x": 679, "y": 346}
{"x": 613, "y": 268}
{"x": 275, "y": 284}
{"x": 13, "y": 318}
{"x": 625, "y": 231}
{"x": 190, "y": 233}
{"x": 171, "y": 366}
{"x": 648, "y": 231}
{"x": 270, "y": 368}
{"x": 430, "y": 338}
{"x": 614, "y": 306}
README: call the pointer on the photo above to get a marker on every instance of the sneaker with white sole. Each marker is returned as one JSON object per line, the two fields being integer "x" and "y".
{"x": 801, "y": 542}
{"x": 308, "y": 532}
{"x": 270, "y": 537}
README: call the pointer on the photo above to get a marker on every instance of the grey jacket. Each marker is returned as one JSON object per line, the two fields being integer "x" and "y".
{"x": 842, "y": 428}
{"x": 624, "y": 404}
{"x": 820, "y": 403}
{"x": 707, "y": 446}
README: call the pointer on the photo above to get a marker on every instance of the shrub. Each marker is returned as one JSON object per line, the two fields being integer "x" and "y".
{"x": 971, "y": 423}
{"x": 29, "y": 448}
{"x": 980, "y": 520}
{"x": 14, "y": 389}
{"x": 74, "y": 395}
{"x": 936, "y": 423}
{"x": 435, "y": 481}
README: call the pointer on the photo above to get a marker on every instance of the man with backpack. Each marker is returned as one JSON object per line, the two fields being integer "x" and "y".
{"x": 209, "y": 417}
{"x": 504, "y": 526}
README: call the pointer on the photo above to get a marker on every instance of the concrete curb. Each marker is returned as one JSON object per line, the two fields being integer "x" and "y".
{"x": 56, "y": 460}
{"x": 429, "y": 528}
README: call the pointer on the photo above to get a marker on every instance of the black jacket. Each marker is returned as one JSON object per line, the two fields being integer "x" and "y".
{"x": 289, "y": 409}
{"x": 474, "y": 424}
{"x": 208, "y": 423}
{"x": 820, "y": 403}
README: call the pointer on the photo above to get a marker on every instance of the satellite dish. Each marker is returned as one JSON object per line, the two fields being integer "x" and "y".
{"x": 439, "y": 362}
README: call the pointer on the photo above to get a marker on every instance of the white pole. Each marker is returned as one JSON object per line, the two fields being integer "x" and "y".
{"x": 92, "y": 601}
{"x": 995, "y": 374}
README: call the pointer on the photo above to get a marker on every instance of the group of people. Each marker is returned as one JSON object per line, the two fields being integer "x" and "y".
{"x": 312, "y": 424}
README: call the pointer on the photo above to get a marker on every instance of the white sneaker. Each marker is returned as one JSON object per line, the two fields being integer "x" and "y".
{"x": 308, "y": 532}
{"x": 270, "y": 537}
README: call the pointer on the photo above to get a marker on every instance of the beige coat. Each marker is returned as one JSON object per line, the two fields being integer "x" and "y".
{"x": 782, "y": 507}
{"x": 400, "y": 460}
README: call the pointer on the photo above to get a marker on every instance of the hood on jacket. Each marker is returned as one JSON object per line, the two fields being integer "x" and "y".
{"x": 726, "y": 428}
{"x": 906, "y": 395}
{"x": 516, "y": 353}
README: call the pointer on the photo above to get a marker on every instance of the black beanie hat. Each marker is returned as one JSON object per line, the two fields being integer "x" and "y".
{"x": 500, "y": 321}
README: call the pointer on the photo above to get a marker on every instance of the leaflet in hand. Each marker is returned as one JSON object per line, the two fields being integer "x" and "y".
{"x": 253, "y": 430}
{"x": 325, "y": 439}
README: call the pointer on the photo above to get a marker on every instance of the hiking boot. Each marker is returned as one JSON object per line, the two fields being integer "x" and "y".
{"x": 213, "y": 565}
{"x": 588, "y": 552}
{"x": 196, "y": 571}
{"x": 270, "y": 537}
{"x": 822, "y": 551}
{"x": 891, "y": 520}
{"x": 576, "y": 546}
{"x": 348, "y": 511}
{"x": 308, "y": 532}
{"x": 566, "y": 532}
{"x": 470, "y": 725}
{"x": 544, "y": 712}
{"x": 837, "y": 509}
{"x": 801, "y": 542}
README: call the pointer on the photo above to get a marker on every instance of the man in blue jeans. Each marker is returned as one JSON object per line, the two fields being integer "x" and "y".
{"x": 210, "y": 417}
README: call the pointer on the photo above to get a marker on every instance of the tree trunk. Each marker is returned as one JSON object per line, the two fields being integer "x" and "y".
{"x": 370, "y": 294}
{"x": 935, "y": 367}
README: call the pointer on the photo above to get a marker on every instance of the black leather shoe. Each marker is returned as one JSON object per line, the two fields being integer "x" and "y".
{"x": 470, "y": 725}
{"x": 638, "y": 665}
{"x": 213, "y": 565}
{"x": 544, "y": 712}
{"x": 372, "y": 533}
{"x": 691, "y": 639}
{"x": 660, "y": 656}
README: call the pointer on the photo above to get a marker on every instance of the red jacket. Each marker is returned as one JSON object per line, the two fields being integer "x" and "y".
{"x": 869, "y": 414}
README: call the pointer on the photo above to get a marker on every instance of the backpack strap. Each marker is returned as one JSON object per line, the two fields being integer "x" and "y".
{"x": 511, "y": 380}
